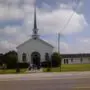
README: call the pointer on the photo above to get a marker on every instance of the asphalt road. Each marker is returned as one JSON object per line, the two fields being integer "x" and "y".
{"x": 49, "y": 81}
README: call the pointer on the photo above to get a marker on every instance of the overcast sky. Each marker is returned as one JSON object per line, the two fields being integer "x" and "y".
{"x": 16, "y": 23}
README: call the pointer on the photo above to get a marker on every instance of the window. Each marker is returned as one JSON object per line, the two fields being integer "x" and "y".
{"x": 65, "y": 61}
{"x": 89, "y": 59}
{"x": 46, "y": 56}
{"x": 81, "y": 59}
{"x": 24, "y": 57}
{"x": 72, "y": 60}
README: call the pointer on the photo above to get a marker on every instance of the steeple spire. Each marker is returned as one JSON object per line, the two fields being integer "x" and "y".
{"x": 35, "y": 20}
{"x": 35, "y": 29}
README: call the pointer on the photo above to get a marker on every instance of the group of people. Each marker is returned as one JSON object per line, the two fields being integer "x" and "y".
{"x": 34, "y": 67}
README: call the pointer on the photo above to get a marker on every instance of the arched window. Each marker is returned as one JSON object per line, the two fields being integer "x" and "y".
{"x": 24, "y": 57}
{"x": 46, "y": 56}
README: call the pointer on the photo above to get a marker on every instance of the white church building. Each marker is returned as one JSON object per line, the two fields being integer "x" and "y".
{"x": 35, "y": 49}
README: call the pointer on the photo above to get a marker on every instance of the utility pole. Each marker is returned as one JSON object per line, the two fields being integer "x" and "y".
{"x": 59, "y": 43}
{"x": 59, "y": 48}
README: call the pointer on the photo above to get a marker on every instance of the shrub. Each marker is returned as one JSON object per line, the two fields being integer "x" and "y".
{"x": 48, "y": 70}
{"x": 23, "y": 65}
{"x": 56, "y": 59}
{"x": 46, "y": 64}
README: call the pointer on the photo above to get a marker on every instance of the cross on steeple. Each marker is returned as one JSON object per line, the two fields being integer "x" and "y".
{"x": 35, "y": 29}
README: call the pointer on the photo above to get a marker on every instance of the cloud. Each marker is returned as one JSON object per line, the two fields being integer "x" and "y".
{"x": 9, "y": 13}
{"x": 81, "y": 45}
{"x": 55, "y": 21}
{"x": 6, "y": 46}
{"x": 84, "y": 45}
{"x": 48, "y": 21}
{"x": 14, "y": 9}
{"x": 11, "y": 30}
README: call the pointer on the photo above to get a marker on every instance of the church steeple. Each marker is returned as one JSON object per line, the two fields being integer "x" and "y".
{"x": 35, "y": 20}
{"x": 35, "y": 29}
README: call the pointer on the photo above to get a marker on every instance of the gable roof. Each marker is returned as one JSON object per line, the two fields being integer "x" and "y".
{"x": 46, "y": 43}
{"x": 37, "y": 39}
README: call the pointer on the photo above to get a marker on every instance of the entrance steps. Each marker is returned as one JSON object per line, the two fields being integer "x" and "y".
{"x": 34, "y": 71}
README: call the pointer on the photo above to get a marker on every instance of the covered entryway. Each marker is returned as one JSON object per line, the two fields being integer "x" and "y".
{"x": 35, "y": 57}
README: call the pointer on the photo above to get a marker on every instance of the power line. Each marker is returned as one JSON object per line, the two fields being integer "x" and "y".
{"x": 65, "y": 26}
{"x": 71, "y": 16}
{"x": 68, "y": 21}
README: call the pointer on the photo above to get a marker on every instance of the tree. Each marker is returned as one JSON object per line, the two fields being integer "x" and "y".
{"x": 56, "y": 59}
{"x": 10, "y": 59}
{"x": 47, "y": 58}
{"x": 1, "y": 58}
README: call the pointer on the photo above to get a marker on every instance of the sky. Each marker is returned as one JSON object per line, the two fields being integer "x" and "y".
{"x": 16, "y": 23}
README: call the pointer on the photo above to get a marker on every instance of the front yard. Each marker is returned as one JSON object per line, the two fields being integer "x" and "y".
{"x": 64, "y": 68}
{"x": 12, "y": 71}
{"x": 71, "y": 67}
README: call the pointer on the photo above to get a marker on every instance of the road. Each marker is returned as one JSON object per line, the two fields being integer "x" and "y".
{"x": 46, "y": 81}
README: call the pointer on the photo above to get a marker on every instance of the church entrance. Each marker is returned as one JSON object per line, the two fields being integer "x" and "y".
{"x": 35, "y": 57}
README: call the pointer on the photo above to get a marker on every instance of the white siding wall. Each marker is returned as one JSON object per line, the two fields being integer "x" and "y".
{"x": 32, "y": 46}
{"x": 77, "y": 60}
{"x": 62, "y": 60}
{"x": 86, "y": 60}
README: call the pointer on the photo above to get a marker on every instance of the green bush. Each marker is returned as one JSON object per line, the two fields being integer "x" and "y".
{"x": 56, "y": 59}
{"x": 10, "y": 59}
{"x": 48, "y": 70}
{"x": 46, "y": 64}
{"x": 23, "y": 65}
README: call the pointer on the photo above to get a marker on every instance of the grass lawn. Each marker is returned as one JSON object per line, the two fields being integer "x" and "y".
{"x": 12, "y": 71}
{"x": 71, "y": 67}
{"x": 64, "y": 68}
